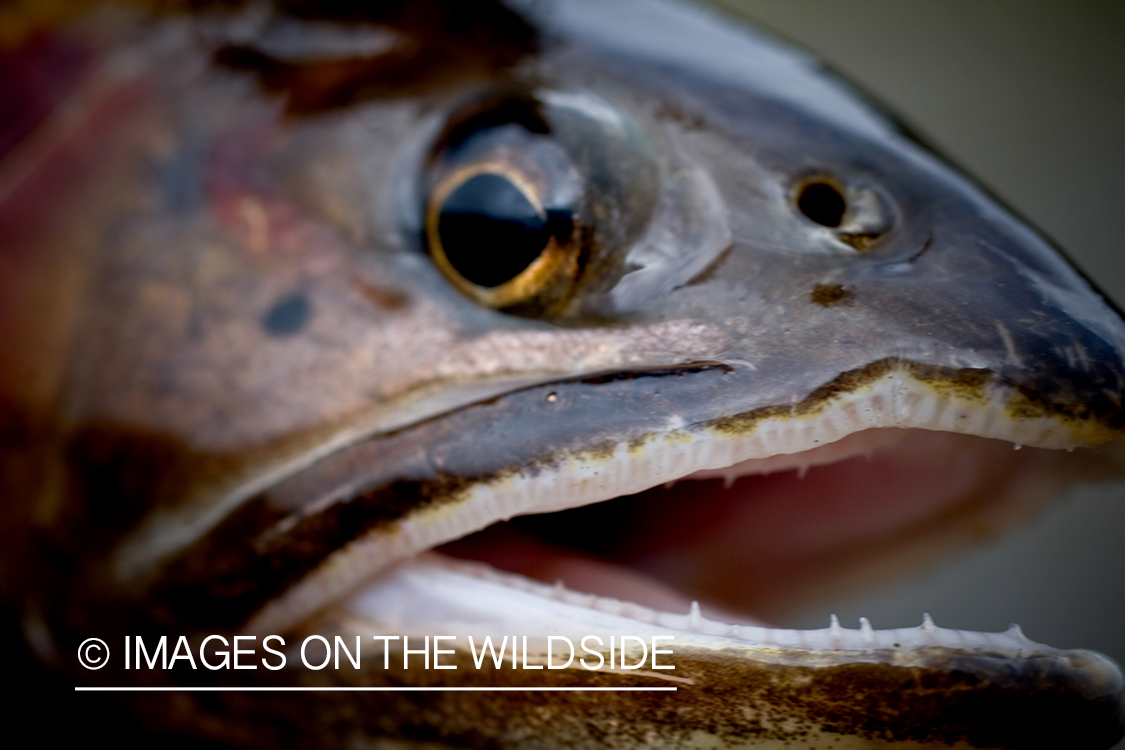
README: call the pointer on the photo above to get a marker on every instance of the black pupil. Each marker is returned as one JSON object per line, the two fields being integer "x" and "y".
{"x": 490, "y": 231}
{"x": 822, "y": 203}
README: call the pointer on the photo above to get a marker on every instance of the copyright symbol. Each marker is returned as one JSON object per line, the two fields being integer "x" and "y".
{"x": 93, "y": 653}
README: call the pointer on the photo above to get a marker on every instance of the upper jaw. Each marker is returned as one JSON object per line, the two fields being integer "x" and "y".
{"x": 317, "y": 535}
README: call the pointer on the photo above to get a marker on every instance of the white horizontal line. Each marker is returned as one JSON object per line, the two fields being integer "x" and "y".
{"x": 366, "y": 689}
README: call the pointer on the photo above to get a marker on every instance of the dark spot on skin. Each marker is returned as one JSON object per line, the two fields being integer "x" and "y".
{"x": 827, "y": 295}
{"x": 288, "y": 316}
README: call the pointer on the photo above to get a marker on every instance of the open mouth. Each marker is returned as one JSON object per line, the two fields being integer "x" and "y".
{"x": 749, "y": 540}
{"x": 747, "y": 514}
{"x": 580, "y": 536}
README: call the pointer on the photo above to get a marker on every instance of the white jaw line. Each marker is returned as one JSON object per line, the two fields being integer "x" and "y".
{"x": 895, "y": 400}
{"x": 436, "y": 595}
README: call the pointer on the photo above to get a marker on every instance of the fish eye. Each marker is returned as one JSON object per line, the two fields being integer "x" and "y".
{"x": 503, "y": 204}
{"x": 529, "y": 199}
{"x": 490, "y": 234}
{"x": 822, "y": 202}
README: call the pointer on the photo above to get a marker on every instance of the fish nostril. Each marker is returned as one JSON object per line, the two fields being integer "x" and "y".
{"x": 822, "y": 203}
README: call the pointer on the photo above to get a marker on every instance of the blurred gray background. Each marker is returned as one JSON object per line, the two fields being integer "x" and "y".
{"x": 1029, "y": 97}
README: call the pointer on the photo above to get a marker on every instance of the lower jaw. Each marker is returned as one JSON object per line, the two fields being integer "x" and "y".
{"x": 887, "y": 502}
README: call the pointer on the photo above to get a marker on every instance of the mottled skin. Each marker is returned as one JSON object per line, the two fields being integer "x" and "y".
{"x": 215, "y": 276}
{"x": 853, "y": 705}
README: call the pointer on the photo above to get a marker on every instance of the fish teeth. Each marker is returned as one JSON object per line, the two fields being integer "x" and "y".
{"x": 454, "y": 593}
{"x": 695, "y": 617}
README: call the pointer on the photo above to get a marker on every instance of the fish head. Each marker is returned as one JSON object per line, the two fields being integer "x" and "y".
{"x": 343, "y": 288}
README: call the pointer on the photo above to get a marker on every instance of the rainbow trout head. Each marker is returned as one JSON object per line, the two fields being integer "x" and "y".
{"x": 295, "y": 294}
